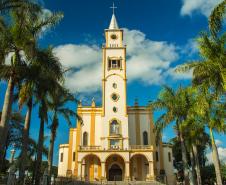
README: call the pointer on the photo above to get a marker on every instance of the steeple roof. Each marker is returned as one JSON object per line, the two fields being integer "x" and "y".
{"x": 113, "y": 24}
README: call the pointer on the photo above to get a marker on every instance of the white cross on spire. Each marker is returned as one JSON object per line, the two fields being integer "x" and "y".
{"x": 113, "y": 8}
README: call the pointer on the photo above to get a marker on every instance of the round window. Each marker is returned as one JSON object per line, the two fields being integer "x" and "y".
{"x": 115, "y": 109}
{"x": 114, "y": 97}
{"x": 113, "y": 36}
{"x": 114, "y": 85}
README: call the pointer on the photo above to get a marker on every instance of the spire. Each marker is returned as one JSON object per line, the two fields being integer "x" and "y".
{"x": 113, "y": 23}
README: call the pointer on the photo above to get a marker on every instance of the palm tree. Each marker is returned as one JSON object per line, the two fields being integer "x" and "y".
{"x": 50, "y": 75}
{"x": 30, "y": 83}
{"x": 175, "y": 106}
{"x": 214, "y": 118}
{"x": 216, "y": 18}
{"x": 14, "y": 136}
{"x": 209, "y": 72}
{"x": 196, "y": 137}
{"x": 12, "y": 41}
{"x": 25, "y": 30}
{"x": 57, "y": 104}
{"x": 7, "y": 5}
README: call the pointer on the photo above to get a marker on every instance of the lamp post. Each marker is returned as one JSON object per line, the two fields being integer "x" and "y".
{"x": 12, "y": 152}
{"x": 12, "y": 177}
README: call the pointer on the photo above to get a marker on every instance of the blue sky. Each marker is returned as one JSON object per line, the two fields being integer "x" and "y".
{"x": 160, "y": 34}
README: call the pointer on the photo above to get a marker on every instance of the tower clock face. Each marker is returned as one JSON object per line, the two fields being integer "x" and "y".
{"x": 113, "y": 36}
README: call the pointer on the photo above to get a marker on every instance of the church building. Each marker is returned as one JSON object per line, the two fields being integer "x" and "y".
{"x": 115, "y": 142}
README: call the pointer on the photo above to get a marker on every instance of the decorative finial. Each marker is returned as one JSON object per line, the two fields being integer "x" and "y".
{"x": 136, "y": 102}
{"x": 113, "y": 8}
{"x": 93, "y": 102}
{"x": 80, "y": 103}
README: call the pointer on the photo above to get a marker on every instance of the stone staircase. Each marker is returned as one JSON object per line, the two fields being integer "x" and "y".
{"x": 113, "y": 183}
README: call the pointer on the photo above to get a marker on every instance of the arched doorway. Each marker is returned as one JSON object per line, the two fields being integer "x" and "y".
{"x": 115, "y": 168}
{"x": 91, "y": 168}
{"x": 115, "y": 173}
{"x": 139, "y": 167}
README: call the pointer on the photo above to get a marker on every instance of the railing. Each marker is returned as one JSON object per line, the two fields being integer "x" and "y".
{"x": 131, "y": 147}
{"x": 140, "y": 147}
{"x": 89, "y": 147}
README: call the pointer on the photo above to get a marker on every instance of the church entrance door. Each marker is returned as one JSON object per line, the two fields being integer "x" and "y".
{"x": 115, "y": 173}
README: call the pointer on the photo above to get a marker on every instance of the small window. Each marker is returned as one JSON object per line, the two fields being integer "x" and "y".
{"x": 145, "y": 138}
{"x": 114, "y": 144}
{"x": 115, "y": 109}
{"x": 157, "y": 156}
{"x": 169, "y": 156}
{"x": 73, "y": 156}
{"x": 114, "y": 128}
{"x": 114, "y": 64}
{"x": 114, "y": 85}
{"x": 61, "y": 157}
{"x": 85, "y": 139}
{"x": 115, "y": 97}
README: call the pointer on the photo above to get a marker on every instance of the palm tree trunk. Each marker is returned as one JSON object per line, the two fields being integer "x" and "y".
{"x": 216, "y": 160}
{"x": 184, "y": 158}
{"x": 39, "y": 153}
{"x": 6, "y": 110}
{"x": 197, "y": 166}
{"x": 50, "y": 153}
{"x": 25, "y": 140}
{"x": 194, "y": 182}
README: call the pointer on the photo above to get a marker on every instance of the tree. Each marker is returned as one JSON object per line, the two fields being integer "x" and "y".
{"x": 209, "y": 176}
{"x": 7, "y": 5}
{"x": 216, "y": 19}
{"x": 210, "y": 71}
{"x": 36, "y": 56}
{"x": 175, "y": 106}
{"x": 214, "y": 115}
{"x": 52, "y": 72}
{"x": 13, "y": 38}
{"x": 209, "y": 75}
{"x": 14, "y": 136}
{"x": 196, "y": 140}
{"x": 57, "y": 104}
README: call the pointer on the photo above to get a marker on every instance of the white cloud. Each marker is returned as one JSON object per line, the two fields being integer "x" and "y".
{"x": 201, "y": 6}
{"x": 218, "y": 142}
{"x": 148, "y": 61}
{"x": 191, "y": 48}
{"x": 221, "y": 152}
{"x": 179, "y": 75}
{"x": 86, "y": 63}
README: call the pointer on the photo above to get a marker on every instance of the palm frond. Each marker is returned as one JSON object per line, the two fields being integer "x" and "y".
{"x": 216, "y": 18}
{"x": 46, "y": 22}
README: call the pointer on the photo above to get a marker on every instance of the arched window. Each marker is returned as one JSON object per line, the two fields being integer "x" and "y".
{"x": 85, "y": 139}
{"x": 169, "y": 156}
{"x": 145, "y": 138}
{"x": 114, "y": 127}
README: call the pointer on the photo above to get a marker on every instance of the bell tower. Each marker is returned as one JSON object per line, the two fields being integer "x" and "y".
{"x": 114, "y": 84}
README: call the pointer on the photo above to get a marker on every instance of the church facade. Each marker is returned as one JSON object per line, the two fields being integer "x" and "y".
{"x": 115, "y": 142}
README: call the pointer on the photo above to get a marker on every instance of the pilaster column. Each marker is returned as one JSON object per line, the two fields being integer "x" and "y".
{"x": 83, "y": 170}
{"x": 79, "y": 169}
{"x": 127, "y": 172}
{"x": 103, "y": 172}
{"x": 151, "y": 170}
